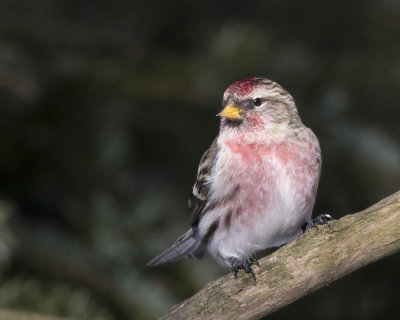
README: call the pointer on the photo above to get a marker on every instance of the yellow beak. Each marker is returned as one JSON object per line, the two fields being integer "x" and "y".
{"x": 232, "y": 112}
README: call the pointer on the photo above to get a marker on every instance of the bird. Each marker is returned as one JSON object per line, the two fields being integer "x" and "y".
{"x": 256, "y": 185}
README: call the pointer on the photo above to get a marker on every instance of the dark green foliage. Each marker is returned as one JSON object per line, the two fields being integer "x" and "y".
{"x": 106, "y": 108}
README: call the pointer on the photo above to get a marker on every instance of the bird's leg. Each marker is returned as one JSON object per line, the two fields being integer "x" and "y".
{"x": 247, "y": 266}
{"x": 318, "y": 221}
{"x": 236, "y": 265}
{"x": 235, "y": 270}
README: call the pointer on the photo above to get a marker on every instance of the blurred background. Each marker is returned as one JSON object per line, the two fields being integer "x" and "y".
{"x": 107, "y": 106}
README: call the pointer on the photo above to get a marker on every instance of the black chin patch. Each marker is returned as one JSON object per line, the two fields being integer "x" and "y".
{"x": 232, "y": 122}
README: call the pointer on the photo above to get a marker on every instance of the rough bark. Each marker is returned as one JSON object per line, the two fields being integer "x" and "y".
{"x": 315, "y": 259}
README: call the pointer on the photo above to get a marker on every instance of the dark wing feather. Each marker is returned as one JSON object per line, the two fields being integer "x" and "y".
{"x": 200, "y": 193}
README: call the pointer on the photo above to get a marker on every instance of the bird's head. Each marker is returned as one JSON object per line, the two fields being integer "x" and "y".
{"x": 255, "y": 102}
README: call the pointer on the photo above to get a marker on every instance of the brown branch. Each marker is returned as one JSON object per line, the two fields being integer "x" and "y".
{"x": 316, "y": 259}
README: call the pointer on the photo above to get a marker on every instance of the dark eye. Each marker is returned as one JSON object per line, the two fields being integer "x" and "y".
{"x": 257, "y": 102}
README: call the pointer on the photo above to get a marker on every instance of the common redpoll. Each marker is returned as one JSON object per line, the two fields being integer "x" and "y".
{"x": 256, "y": 184}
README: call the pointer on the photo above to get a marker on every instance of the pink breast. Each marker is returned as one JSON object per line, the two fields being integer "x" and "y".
{"x": 260, "y": 170}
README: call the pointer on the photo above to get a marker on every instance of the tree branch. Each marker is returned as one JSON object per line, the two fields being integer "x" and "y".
{"x": 315, "y": 259}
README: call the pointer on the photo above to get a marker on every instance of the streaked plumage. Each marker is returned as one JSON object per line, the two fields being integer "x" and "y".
{"x": 256, "y": 184}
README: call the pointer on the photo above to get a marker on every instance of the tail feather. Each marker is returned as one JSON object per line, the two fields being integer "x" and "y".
{"x": 184, "y": 246}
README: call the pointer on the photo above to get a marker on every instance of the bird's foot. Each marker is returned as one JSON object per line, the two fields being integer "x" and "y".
{"x": 236, "y": 265}
{"x": 318, "y": 221}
